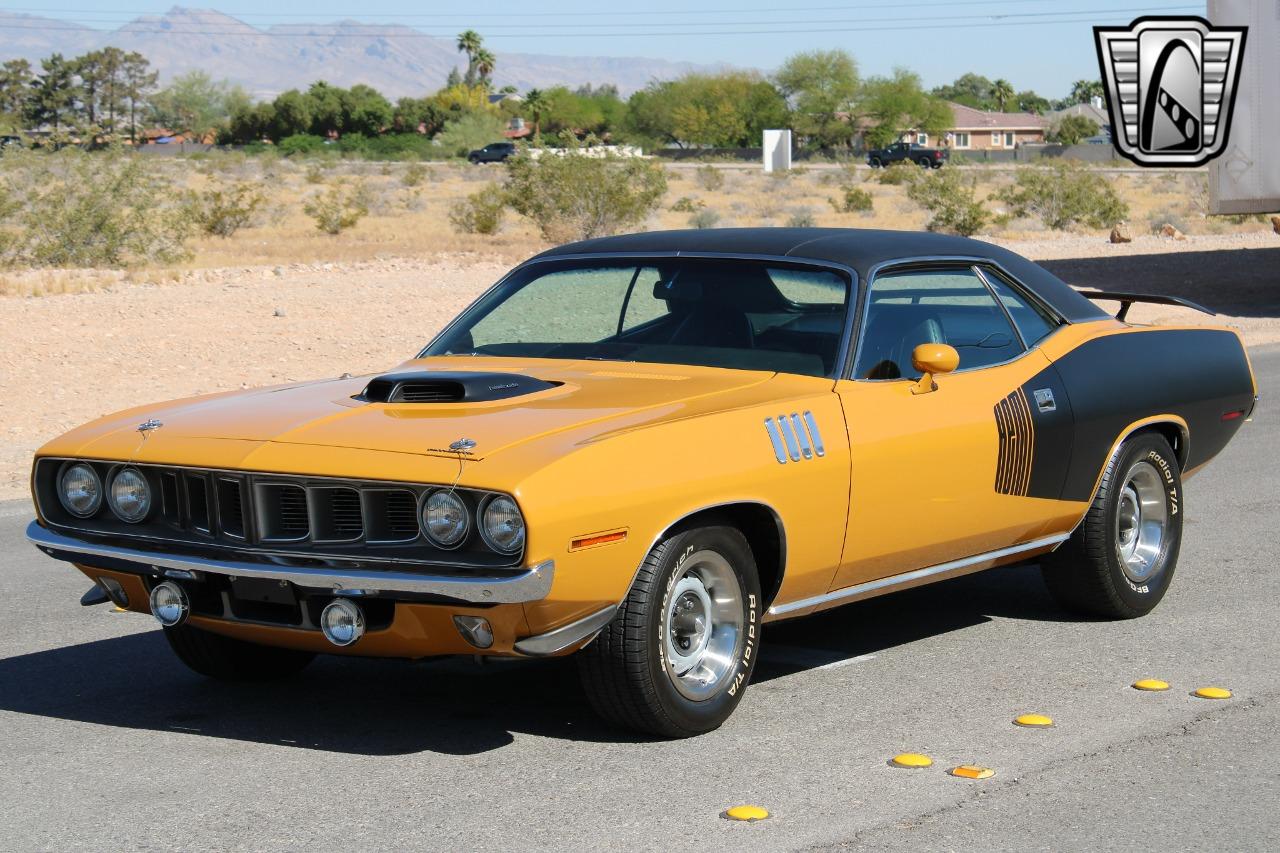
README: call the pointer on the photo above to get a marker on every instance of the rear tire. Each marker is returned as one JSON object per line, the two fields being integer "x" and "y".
{"x": 229, "y": 659}
{"x": 1119, "y": 562}
{"x": 679, "y": 653}
{"x": 924, "y": 163}
{"x": 875, "y": 163}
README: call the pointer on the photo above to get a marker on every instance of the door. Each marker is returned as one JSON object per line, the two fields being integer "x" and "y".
{"x": 941, "y": 475}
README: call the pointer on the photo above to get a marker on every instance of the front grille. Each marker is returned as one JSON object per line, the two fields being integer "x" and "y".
{"x": 288, "y": 515}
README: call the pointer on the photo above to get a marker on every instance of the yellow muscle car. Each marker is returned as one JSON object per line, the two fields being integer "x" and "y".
{"x": 641, "y": 449}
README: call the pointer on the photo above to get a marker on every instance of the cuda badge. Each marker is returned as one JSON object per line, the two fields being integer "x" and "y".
{"x": 149, "y": 425}
{"x": 463, "y": 445}
{"x": 794, "y": 436}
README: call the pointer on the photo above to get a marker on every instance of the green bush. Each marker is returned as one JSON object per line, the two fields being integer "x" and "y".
{"x": 221, "y": 213}
{"x": 401, "y": 146}
{"x": 853, "y": 200}
{"x": 337, "y": 208}
{"x": 709, "y": 178}
{"x": 576, "y": 196}
{"x": 1064, "y": 194}
{"x": 687, "y": 204}
{"x": 414, "y": 175}
{"x": 474, "y": 130}
{"x": 951, "y": 198}
{"x": 897, "y": 174}
{"x": 75, "y": 209}
{"x": 479, "y": 213}
{"x": 301, "y": 143}
{"x": 704, "y": 219}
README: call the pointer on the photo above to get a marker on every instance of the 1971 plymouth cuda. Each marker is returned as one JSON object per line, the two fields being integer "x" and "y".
{"x": 640, "y": 449}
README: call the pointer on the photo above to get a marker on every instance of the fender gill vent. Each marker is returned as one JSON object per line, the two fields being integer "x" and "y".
{"x": 1017, "y": 433}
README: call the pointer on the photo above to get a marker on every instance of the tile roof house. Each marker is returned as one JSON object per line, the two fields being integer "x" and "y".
{"x": 974, "y": 129}
{"x": 1094, "y": 112}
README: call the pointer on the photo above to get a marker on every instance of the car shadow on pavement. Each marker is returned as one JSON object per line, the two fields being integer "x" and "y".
{"x": 1237, "y": 282}
{"x": 449, "y": 706}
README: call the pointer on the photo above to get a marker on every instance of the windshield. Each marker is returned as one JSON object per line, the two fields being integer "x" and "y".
{"x": 747, "y": 315}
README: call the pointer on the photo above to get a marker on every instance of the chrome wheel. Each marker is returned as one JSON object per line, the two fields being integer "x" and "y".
{"x": 702, "y": 626}
{"x": 1141, "y": 521}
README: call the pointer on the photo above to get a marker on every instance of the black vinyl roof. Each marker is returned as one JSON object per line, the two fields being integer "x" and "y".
{"x": 857, "y": 248}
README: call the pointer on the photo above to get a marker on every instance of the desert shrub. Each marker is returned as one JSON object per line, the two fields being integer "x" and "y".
{"x": 75, "y": 209}
{"x": 709, "y": 178}
{"x": 337, "y": 208}
{"x": 300, "y": 143}
{"x": 897, "y": 174}
{"x": 951, "y": 198}
{"x": 1064, "y": 194}
{"x": 801, "y": 218}
{"x": 687, "y": 204}
{"x": 401, "y": 146}
{"x": 1167, "y": 216}
{"x": 704, "y": 219}
{"x": 768, "y": 206}
{"x": 479, "y": 213}
{"x": 576, "y": 196}
{"x": 853, "y": 200}
{"x": 222, "y": 212}
{"x": 314, "y": 174}
{"x": 414, "y": 175}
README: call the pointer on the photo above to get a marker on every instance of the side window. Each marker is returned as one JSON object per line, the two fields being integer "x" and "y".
{"x": 1034, "y": 322}
{"x": 950, "y": 306}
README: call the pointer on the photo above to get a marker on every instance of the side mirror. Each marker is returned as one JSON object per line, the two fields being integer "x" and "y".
{"x": 931, "y": 359}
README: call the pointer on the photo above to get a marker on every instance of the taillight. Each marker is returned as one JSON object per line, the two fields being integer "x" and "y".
{"x": 937, "y": 155}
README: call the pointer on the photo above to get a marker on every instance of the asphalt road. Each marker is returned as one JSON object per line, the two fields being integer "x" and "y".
{"x": 109, "y": 743}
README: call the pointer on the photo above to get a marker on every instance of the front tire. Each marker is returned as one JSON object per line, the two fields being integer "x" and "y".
{"x": 229, "y": 659}
{"x": 875, "y": 163}
{"x": 1119, "y": 562}
{"x": 679, "y": 654}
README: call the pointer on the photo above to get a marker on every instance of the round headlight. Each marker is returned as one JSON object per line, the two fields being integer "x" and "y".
{"x": 502, "y": 525}
{"x": 130, "y": 495}
{"x": 445, "y": 519}
{"x": 80, "y": 490}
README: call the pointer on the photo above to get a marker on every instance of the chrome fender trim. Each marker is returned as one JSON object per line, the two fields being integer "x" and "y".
{"x": 533, "y": 584}
{"x": 563, "y": 637}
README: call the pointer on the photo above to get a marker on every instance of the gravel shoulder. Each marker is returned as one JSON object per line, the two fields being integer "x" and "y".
{"x": 69, "y": 358}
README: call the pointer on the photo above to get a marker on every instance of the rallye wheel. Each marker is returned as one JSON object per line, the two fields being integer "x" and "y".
{"x": 1120, "y": 560}
{"x": 229, "y": 659}
{"x": 679, "y": 654}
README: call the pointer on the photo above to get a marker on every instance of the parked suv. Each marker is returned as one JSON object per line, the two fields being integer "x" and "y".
{"x": 918, "y": 154}
{"x": 495, "y": 152}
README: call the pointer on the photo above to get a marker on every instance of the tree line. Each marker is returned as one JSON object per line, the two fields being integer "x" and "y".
{"x": 819, "y": 94}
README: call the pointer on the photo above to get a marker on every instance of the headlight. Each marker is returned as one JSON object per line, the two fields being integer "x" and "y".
{"x": 130, "y": 495}
{"x": 502, "y": 526}
{"x": 445, "y": 519}
{"x": 80, "y": 490}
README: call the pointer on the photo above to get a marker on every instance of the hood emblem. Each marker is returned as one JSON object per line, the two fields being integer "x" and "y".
{"x": 149, "y": 425}
{"x": 463, "y": 445}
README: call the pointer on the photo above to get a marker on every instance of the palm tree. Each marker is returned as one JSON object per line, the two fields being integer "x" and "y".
{"x": 485, "y": 61}
{"x": 1002, "y": 91}
{"x": 537, "y": 104}
{"x": 470, "y": 43}
{"x": 1084, "y": 91}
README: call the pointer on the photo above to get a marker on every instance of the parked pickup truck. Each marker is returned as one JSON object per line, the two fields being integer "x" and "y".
{"x": 919, "y": 154}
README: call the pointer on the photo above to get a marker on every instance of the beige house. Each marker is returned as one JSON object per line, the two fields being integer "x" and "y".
{"x": 976, "y": 130}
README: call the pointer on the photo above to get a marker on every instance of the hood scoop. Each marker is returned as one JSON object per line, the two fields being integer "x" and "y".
{"x": 438, "y": 386}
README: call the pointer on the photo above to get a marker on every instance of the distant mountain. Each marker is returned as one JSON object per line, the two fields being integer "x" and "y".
{"x": 396, "y": 60}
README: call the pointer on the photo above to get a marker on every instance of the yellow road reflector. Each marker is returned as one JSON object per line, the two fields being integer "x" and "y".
{"x": 1150, "y": 684}
{"x": 912, "y": 760}
{"x": 748, "y": 813}
{"x": 1212, "y": 693}
{"x": 972, "y": 771}
{"x": 1033, "y": 721}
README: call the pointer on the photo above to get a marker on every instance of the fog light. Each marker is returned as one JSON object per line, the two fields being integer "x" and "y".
{"x": 342, "y": 622}
{"x": 115, "y": 592}
{"x": 476, "y": 630}
{"x": 169, "y": 604}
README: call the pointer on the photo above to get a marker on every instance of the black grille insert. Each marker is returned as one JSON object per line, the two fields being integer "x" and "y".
{"x": 392, "y": 515}
{"x": 336, "y": 515}
{"x": 231, "y": 507}
{"x": 282, "y": 512}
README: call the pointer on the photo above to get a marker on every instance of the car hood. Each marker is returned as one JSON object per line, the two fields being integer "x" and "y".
{"x": 590, "y": 396}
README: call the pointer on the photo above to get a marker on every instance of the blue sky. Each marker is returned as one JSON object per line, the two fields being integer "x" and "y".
{"x": 1036, "y": 44}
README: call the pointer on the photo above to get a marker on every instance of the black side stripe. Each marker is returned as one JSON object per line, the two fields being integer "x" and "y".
{"x": 1017, "y": 444}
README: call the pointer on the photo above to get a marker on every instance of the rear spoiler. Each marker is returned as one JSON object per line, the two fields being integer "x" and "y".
{"x": 1127, "y": 299}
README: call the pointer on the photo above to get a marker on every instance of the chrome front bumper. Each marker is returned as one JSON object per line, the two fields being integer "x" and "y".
{"x": 532, "y": 584}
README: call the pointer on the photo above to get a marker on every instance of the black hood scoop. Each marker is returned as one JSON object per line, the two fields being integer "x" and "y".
{"x": 439, "y": 386}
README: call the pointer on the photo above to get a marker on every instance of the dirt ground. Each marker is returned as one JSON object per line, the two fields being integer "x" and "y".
{"x": 70, "y": 358}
